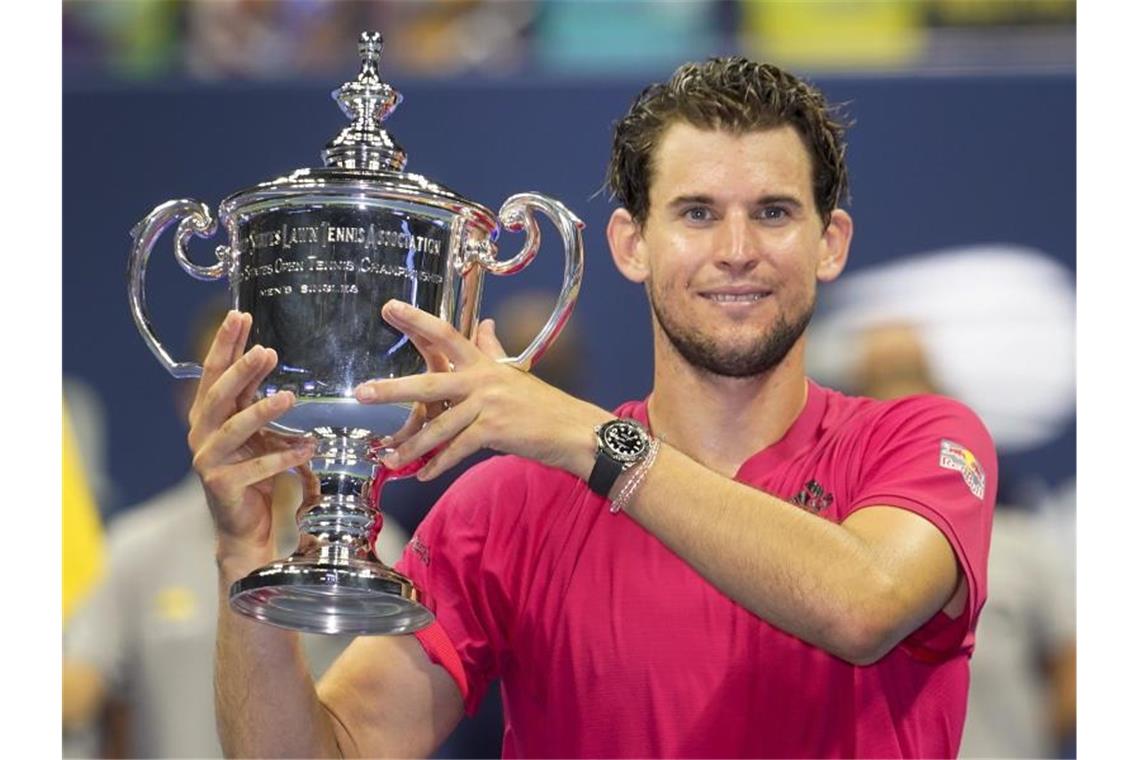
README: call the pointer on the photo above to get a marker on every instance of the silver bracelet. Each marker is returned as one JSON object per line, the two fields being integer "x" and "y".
{"x": 621, "y": 501}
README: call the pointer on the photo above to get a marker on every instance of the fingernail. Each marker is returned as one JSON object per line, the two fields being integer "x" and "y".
{"x": 386, "y": 441}
{"x": 364, "y": 393}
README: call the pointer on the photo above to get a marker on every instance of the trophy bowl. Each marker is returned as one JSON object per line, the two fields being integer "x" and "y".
{"x": 313, "y": 256}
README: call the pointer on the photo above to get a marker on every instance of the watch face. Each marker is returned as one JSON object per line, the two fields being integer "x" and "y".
{"x": 625, "y": 440}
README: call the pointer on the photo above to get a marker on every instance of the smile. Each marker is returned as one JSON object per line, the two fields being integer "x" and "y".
{"x": 734, "y": 297}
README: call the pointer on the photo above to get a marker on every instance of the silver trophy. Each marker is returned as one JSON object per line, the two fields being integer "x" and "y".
{"x": 312, "y": 257}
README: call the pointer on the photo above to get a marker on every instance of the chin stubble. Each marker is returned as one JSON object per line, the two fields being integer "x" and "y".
{"x": 765, "y": 353}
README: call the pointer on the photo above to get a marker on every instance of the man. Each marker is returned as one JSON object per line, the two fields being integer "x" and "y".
{"x": 779, "y": 571}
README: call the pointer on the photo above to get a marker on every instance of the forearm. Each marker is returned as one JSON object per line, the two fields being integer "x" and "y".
{"x": 805, "y": 575}
{"x": 265, "y": 700}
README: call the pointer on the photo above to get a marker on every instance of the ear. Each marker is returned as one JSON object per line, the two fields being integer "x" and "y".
{"x": 627, "y": 246}
{"x": 834, "y": 244}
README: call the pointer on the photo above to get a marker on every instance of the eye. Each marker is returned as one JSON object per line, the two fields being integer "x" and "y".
{"x": 697, "y": 214}
{"x": 773, "y": 214}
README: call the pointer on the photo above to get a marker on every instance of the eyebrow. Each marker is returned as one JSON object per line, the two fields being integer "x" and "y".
{"x": 708, "y": 200}
{"x": 685, "y": 200}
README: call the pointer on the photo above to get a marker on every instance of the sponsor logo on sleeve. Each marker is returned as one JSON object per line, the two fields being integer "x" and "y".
{"x": 813, "y": 497}
{"x": 420, "y": 549}
{"x": 955, "y": 456}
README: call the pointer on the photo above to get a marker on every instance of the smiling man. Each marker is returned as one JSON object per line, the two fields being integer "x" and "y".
{"x": 743, "y": 564}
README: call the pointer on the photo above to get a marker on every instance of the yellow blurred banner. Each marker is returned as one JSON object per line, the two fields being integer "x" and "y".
{"x": 831, "y": 33}
{"x": 82, "y": 525}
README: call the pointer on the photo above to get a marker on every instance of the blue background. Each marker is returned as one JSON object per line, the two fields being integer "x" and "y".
{"x": 935, "y": 161}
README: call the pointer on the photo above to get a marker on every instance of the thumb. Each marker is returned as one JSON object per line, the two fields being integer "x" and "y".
{"x": 487, "y": 342}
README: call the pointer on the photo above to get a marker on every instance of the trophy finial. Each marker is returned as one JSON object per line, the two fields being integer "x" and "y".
{"x": 368, "y": 101}
{"x": 371, "y": 46}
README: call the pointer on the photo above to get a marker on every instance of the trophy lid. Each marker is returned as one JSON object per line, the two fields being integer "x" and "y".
{"x": 368, "y": 100}
{"x": 362, "y": 160}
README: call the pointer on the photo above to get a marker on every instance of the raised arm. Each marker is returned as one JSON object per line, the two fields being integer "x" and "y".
{"x": 383, "y": 697}
{"x": 854, "y": 589}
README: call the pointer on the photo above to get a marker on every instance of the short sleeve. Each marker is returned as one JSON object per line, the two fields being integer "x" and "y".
{"x": 932, "y": 456}
{"x": 462, "y": 578}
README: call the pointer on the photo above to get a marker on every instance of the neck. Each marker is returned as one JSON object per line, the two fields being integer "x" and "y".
{"x": 722, "y": 421}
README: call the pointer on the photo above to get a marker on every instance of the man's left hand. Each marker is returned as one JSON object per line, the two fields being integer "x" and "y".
{"x": 482, "y": 402}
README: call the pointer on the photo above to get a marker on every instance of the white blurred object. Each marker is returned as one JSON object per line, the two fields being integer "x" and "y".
{"x": 997, "y": 322}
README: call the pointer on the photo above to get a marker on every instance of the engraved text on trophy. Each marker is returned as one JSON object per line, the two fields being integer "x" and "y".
{"x": 298, "y": 268}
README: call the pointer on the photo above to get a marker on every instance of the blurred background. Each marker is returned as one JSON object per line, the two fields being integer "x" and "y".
{"x": 961, "y": 279}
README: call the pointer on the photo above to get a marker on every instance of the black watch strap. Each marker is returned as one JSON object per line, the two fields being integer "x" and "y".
{"x": 604, "y": 475}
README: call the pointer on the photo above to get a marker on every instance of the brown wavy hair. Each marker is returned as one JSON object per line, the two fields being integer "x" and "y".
{"x": 734, "y": 94}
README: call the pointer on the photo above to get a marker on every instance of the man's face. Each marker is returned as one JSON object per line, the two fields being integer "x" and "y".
{"x": 733, "y": 245}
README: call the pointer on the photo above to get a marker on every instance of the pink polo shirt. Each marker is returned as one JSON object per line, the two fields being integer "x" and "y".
{"x": 609, "y": 645}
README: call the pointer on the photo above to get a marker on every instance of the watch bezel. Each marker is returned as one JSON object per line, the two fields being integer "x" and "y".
{"x": 625, "y": 459}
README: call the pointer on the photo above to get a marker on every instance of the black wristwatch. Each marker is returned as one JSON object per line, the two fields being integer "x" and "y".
{"x": 622, "y": 443}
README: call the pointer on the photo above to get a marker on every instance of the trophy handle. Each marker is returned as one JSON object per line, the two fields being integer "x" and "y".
{"x": 193, "y": 218}
{"x": 517, "y": 213}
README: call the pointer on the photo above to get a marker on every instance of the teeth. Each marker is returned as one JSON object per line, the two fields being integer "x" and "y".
{"x": 734, "y": 297}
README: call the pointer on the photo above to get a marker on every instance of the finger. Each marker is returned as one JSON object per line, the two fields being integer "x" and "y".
{"x": 436, "y": 362}
{"x": 428, "y": 387}
{"x": 248, "y": 395}
{"x": 410, "y": 427}
{"x": 433, "y": 434}
{"x": 460, "y": 447}
{"x": 221, "y": 400}
{"x": 231, "y": 480}
{"x": 220, "y": 356}
{"x": 244, "y": 327}
{"x": 435, "y": 359}
{"x": 238, "y": 429}
{"x": 487, "y": 342}
{"x": 412, "y": 321}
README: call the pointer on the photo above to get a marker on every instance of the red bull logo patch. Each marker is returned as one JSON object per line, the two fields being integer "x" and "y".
{"x": 957, "y": 457}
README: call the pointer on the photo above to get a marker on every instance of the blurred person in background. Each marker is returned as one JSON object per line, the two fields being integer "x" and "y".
{"x": 88, "y": 415}
{"x": 948, "y": 322}
{"x": 267, "y": 39}
{"x": 453, "y": 37}
{"x": 138, "y": 650}
{"x": 768, "y": 567}
{"x": 84, "y": 561}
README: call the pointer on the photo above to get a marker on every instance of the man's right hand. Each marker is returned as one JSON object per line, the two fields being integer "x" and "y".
{"x": 233, "y": 456}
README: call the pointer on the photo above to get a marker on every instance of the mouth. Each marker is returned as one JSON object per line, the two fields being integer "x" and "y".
{"x": 735, "y": 296}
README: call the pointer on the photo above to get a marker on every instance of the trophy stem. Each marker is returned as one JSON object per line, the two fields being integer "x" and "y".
{"x": 334, "y": 583}
{"x": 339, "y": 522}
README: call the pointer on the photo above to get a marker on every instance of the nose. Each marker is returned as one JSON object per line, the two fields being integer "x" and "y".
{"x": 739, "y": 249}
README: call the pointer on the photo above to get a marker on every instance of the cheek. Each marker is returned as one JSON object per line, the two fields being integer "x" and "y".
{"x": 798, "y": 258}
{"x": 669, "y": 266}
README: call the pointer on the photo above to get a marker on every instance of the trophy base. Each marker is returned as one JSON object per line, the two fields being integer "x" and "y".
{"x": 358, "y": 598}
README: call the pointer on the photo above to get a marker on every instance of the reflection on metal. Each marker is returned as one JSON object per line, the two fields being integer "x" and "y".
{"x": 313, "y": 256}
